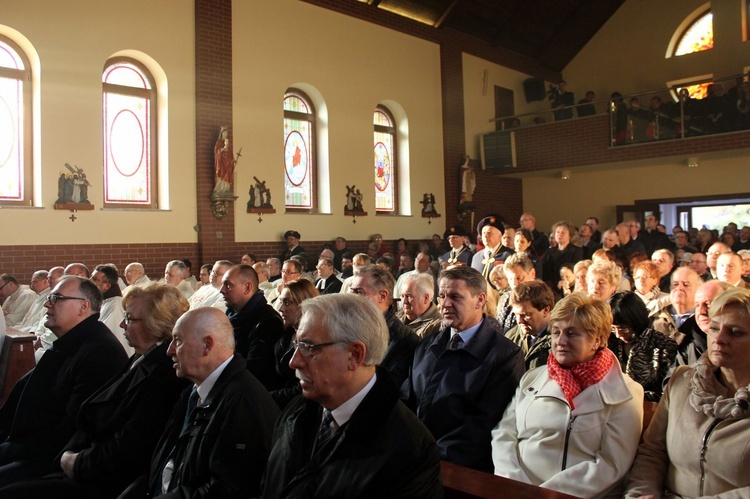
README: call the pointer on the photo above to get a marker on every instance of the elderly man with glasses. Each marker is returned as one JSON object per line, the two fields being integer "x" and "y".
{"x": 39, "y": 416}
{"x": 348, "y": 434}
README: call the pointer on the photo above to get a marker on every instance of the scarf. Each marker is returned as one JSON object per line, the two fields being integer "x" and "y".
{"x": 703, "y": 398}
{"x": 575, "y": 379}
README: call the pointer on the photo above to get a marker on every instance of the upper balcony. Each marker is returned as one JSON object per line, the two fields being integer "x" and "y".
{"x": 622, "y": 131}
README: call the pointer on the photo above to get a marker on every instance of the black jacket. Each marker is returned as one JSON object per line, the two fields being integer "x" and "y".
{"x": 224, "y": 449}
{"x": 460, "y": 395}
{"x": 39, "y": 416}
{"x": 257, "y": 328}
{"x": 333, "y": 285}
{"x": 402, "y": 341}
{"x": 383, "y": 451}
{"x": 553, "y": 260}
{"x": 119, "y": 425}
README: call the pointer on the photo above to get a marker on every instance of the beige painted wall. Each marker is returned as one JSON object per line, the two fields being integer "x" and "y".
{"x": 73, "y": 41}
{"x": 354, "y": 65}
{"x": 597, "y": 193}
{"x": 479, "y": 107}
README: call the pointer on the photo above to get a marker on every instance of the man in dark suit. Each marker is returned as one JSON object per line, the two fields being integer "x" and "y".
{"x": 120, "y": 424}
{"x": 39, "y": 416}
{"x": 459, "y": 254}
{"x": 292, "y": 238}
{"x": 217, "y": 441}
{"x": 494, "y": 253}
{"x": 348, "y": 435}
{"x": 257, "y": 326}
{"x": 376, "y": 284}
{"x": 464, "y": 376}
{"x": 327, "y": 281}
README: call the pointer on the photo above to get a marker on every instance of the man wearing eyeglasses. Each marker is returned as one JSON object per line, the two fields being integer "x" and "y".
{"x": 257, "y": 326}
{"x": 18, "y": 299}
{"x": 291, "y": 270}
{"x": 348, "y": 435}
{"x": 39, "y": 416}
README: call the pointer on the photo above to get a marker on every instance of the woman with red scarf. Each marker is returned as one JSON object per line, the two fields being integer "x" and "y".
{"x": 575, "y": 423}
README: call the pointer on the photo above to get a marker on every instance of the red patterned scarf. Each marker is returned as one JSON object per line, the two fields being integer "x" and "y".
{"x": 577, "y": 378}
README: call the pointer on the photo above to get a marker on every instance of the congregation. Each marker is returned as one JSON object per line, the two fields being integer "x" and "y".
{"x": 328, "y": 373}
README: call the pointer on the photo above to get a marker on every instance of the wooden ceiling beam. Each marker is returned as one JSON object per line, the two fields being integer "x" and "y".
{"x": 446, "y": 13}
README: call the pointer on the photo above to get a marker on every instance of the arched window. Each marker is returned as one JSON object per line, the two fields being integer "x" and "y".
{"x": 384, "y": 143}
{"x": 15, "y": 125}
{"x": 130, "y": 138}
{"x": 698, "y": 36}
{"x": 300, "y": 161}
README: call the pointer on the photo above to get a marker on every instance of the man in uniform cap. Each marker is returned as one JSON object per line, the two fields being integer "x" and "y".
{"x": 460, "y": 254}
{"x": 292, "y": 238}
{"x": 494, "y": 253}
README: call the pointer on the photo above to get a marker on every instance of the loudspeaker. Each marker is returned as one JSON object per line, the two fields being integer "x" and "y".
{"x": 533, "y": 89}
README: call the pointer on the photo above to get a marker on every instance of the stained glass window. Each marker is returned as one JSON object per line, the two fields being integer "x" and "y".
{"x": 299, "y": 152}
{"x": 129, "y": 135}
{"x": 15, "y": 124}
{"x": 384, "y": 139}
{"x": 698, "y": 36}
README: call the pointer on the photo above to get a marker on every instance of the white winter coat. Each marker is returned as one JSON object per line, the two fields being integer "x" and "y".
{"x": 529, "y": 443}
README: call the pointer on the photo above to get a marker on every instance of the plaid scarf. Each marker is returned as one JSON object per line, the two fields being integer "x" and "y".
{"x": 579, "y": 377}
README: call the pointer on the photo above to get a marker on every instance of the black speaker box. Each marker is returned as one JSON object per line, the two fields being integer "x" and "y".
{"x": 533, "y": 89}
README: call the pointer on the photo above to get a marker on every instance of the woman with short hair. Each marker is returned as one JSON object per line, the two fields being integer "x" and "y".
{"x": 602, "y": 279}
{"x": 646, "y": 279}
{"x": 697, "y": 442}
{"x": 575, "y": 423}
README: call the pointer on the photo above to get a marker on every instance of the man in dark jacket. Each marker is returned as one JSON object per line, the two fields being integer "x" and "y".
{"x": 463, "y": 377}
{"x": 39, "y": 416}
{"x": 376, "y": 284}
{"x": 217, "y": 441}
{"x": 120, "y": 424}
{"x": 257, "y": 326}
{"x": 532, "y": 303}
{"x": 348, "y": 435}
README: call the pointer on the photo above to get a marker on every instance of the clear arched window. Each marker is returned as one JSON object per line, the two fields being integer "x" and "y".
{"x": 15, "y": 125}
{"x": 384, "y": 144}
{"x": 130, "y": 140}
{"x": 698, "y": 36}
{"x": 300, "y": 169}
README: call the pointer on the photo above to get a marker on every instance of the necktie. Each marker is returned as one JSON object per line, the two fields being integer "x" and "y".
{"x": 455, "y": 342}
{"x": 192, "y": 404}
{"x": 325, "y": 431}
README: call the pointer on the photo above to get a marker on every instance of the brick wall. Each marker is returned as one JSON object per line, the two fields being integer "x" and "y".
{"x": 213, "y": 101}
{"x": 587, "y": 142}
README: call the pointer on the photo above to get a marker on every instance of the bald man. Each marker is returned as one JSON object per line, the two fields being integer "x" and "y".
{"x": 219, "y": 437}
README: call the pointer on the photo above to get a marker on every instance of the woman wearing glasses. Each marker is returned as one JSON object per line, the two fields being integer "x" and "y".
{"x": 292, "y": 295}
{"x": 574, "y": 424}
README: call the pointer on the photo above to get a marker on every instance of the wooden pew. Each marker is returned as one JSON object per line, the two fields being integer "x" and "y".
{"x": 16, "y": 359}
{"x": 464, "y": 483}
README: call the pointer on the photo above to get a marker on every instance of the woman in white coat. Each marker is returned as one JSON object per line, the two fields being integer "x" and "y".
{"x": 575, "y": 423}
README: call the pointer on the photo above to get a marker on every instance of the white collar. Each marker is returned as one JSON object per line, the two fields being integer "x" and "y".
{"x": 343, "y": 413}
{"x": 205, "y": 388}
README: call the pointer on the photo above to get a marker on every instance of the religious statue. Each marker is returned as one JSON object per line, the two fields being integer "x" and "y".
{"x": 428, "y": 203}
{"x": 224, "y": 162}
{"x": 351, "y": 198}
{"x": 72, "y": 187}
{"x": 260, "y": 195}
{"x": 468, "y": 181}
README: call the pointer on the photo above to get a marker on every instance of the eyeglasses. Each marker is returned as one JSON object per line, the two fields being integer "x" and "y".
{"x": 53, "y": 297}
{"x": 289, "y": 272}
{"x": 306, "y": 348}
{"x": 1, "y": 287}
{"x": 129, "y": 320}
{"x": 621, "y": 329}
